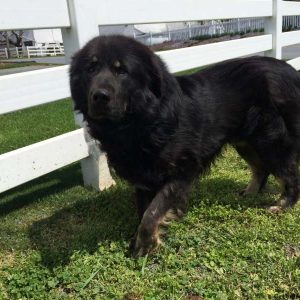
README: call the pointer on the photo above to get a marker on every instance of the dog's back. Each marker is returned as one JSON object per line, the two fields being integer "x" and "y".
{"x": 254, "y": 104}
{"x": 246, "y": 93}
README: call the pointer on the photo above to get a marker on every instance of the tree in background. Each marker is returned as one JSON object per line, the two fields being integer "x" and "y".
{"x": 11, "y": 38}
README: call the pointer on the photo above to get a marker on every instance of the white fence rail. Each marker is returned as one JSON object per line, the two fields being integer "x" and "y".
{"x": 12, "y": 52}
{"x": 30, "y": 51}
{"x": 79, "y": 20}
{"x": 20, "y": 14}
{"x": 34, "y": 88}
{"x": 185, "y": 58}
{"x": 290, "y": 38}
{"x": 290, "y": 8}
{"x": 41, "y": 158}
{"x": 52, "y": 50}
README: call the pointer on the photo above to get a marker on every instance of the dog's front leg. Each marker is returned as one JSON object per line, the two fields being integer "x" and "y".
{"x": 169, "y": 203}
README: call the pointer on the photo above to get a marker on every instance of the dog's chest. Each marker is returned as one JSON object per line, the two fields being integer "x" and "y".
{"x": 135, "y": 162}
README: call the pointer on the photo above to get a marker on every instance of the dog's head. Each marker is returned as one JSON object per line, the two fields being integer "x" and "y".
{"x": 113, "y": 76}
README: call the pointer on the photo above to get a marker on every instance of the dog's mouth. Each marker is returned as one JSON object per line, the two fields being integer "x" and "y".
{"x": 105, "y": 114}
{"x": 97, "y": 113}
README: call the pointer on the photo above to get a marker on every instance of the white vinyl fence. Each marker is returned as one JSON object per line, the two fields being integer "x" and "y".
{"x": 290, "y": 22}
{"x": 14, "y": 52}
{"x": 79, "y": 20}
{"x": 3, "y": 53}
{"x": 30, "y": 51}
{"x": 216, "y": 28}
{"x": 50, "y": 50}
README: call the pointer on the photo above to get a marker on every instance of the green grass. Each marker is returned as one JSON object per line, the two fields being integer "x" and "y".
{"x": 9, "y": 65}
{"x": 60, "y": 240}
{"x": 20, "y": 128}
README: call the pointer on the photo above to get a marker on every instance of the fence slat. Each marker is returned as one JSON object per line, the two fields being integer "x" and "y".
{"x": 290, "y": 38}
{"x": 290, "y": 8}
{"x": 188, "y": 58}
{"x": 295, "y": 63}
{"x": 24, "y": 164}
{"x": 20, "y": 14}
{"x": 22, "y": 90}
{"x": 45, "y": 50}
{"x": 138, "y": 11}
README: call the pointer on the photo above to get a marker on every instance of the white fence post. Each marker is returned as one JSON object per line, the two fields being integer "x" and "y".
{"x": 83, "y": 27}
{"x": 169, "y": 33}
{"x": 28, "y": 54}
{"x": 273, "y": 25}
{"x": 6, "y": 53}
{"x": 190, "y": 31}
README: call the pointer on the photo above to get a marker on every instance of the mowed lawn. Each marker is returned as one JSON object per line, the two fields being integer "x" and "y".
{"x": 60, "y": 240}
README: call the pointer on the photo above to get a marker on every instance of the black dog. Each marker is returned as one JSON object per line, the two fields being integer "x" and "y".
{"x": 160, "y": 131}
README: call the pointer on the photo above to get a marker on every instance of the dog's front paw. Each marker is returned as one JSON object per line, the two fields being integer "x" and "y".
{"x": 142, "y": 243}
{"x": 280, "y": 207}
{"x": 275, "y": 209}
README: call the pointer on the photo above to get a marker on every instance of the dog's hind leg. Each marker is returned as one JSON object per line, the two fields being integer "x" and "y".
{"x": 259, "y": 175}
{"x": 290, "y": 181}
{"x": 258, "y": 180}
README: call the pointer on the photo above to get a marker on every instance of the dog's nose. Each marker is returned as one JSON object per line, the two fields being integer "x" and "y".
{"x": 101, "y": 96}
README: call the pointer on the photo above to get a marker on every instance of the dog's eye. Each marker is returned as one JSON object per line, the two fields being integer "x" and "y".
{"x": 120, "y": 71}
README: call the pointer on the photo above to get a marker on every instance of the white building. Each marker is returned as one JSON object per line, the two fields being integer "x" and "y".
{"x": 43, "y": 36}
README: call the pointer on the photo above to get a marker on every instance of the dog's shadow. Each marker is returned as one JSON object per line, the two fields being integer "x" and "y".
{"x": 111, "y": 216}
{"x": 108, "y": 216}
{"x": 228, "y": 192}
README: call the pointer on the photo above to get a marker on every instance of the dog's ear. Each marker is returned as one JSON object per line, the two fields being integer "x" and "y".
{"x": 78, "y": 82}
{"x": 158, "y": 73}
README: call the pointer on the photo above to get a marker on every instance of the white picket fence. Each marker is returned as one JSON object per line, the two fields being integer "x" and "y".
{"x": 14, "y": 52}
{"x": 3, "y": 53}
{"x": 79, "y": 20}
{"x": 30, "y": 51}
{"x": 214, "y": 29}
{"x": 50, "y": 50}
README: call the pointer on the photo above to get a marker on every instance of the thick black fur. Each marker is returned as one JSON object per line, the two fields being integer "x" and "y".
{"x": 160, "y": 131}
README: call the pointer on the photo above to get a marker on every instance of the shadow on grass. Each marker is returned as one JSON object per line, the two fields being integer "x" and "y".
{"x": 35, "y": 190}
{"x": 99, "y": 218}
{"x": 111, "y": 216}
{"x": 226, "y": 192}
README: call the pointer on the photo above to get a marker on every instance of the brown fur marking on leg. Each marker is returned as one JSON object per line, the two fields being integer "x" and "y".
{"x": 158, "y": 231}
{"x": 253, "y": 186}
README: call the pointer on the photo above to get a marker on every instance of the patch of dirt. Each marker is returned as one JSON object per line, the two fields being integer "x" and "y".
{"x": 7, "y": 260}
{"x": 193, "y": 297}
{"x": 291, "y": 251}
{"x": 131, "y": 296}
